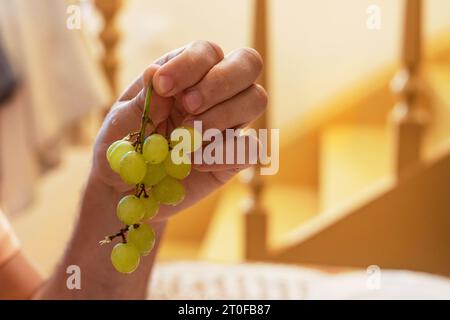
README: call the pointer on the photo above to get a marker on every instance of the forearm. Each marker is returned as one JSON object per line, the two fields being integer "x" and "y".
{"x": 99, "y": 280}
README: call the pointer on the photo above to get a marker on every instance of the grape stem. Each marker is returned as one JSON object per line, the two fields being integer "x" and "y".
{"x": 141, "y": 135}
{"x": 121, "y": 233}
{"x": 140, "y": 189}
{"x": 145, "y": 116}
{"x": 131, "y": 135}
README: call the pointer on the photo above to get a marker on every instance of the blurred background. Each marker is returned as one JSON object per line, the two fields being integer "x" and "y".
{"x": 360, "y": 90}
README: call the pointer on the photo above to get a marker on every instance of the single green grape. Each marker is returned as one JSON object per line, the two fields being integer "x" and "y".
{"x": 194, "y": 136}
{"x": 130, "y": 210}
{"x": 116, "y": 154}
{"x": 151, "y": 206}
{"x": 155, "y": 173}
{"x": 155, "y": 148}
{"x": 132, "y": 167}
{"x": 178, "y": 171}
{"x": 142, "y": 238}
{"x": 111, "y": 148}
{"x": 169, "y": 191}
{"x": 125, "y": 257}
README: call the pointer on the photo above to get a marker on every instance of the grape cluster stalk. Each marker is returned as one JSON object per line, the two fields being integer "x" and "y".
{"x": 148, "y": 164}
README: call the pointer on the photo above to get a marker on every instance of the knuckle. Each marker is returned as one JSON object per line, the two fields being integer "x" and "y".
{"x": 212, "y": 50}
{"x": 221, "y": 79}
{"x": 169, "y": 56}
{"x": 260, "y": 97}
{"x": 214, "y": 85}
{"x": 253, "y": 57}
{"x": 217, "y": 50}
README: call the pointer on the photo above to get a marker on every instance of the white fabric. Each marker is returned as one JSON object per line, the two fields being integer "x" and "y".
{"x": 60, "y": 84}
{"x": 196, "y": 280}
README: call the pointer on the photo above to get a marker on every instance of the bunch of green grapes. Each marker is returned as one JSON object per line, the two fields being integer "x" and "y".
{"x": 155, "y": 168}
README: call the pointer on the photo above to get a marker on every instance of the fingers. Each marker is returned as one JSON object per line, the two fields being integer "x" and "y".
{"x": 228, "y": 97}
{"x": 226, "y": 79}
{"x": 136, "y": 104}
{"x": 169, "y": 56}
{"x": 137, "y": 85}
{"x": 126, "y": 116}
{"x": 187, "y": 68}
{"x": 241, "y": 109}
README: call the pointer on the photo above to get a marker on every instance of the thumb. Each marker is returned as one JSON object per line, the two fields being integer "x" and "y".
{"x": 160, "y": 107}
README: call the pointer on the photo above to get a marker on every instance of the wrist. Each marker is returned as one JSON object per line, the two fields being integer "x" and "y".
{"x": 99, "y": 280}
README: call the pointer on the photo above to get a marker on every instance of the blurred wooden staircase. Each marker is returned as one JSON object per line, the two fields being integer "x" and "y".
{"x": 361, "y": 182}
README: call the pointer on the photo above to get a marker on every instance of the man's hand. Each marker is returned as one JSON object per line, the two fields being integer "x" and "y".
{"x": 195, "y": 82}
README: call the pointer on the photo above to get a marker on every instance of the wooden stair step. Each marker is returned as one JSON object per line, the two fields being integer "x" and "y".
{"x": 437, "y": 76}
{"x": 287, "y": 207}
{"x": 402, "y": 226}
{"x": 352, "y": 157}
{"x": 179, "y": 250}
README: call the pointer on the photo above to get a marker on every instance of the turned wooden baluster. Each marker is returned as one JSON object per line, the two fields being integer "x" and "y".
{"x": 110, "y": 37}
{"x": 256, "y": 217}
{"x": 410, "y": 114}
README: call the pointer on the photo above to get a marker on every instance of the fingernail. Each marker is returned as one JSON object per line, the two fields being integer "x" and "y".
{"x": 165, "y": 84}
{"x": 193, "y": 100}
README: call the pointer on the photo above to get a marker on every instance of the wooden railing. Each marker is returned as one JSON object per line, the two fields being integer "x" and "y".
{"x": 410, "y": 115}
{"x": 256, "y": 216}
{"x": 110, "y": 37}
